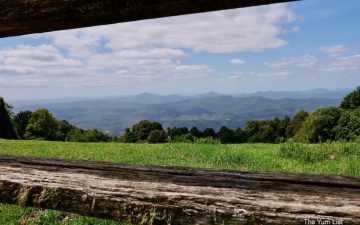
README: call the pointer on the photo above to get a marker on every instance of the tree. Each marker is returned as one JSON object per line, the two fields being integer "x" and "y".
{"x": 296, "y": 123}
{"x": 95, "y": 136}
{"x": 21, "y": 121}
{"x": 64, "y": 128}
{"x": 226, "y": 135}
{"x": 42, "y": 125}
{"x": 267, "y": 132}
{"x": 209, "y": 133}
{"x": 252, "y": 129}
{"x": 144, "y": 127}
{"x": 130, "y": 136}
{"x": 157, "y": 136}
{"x": 195, "y": 132}
{"x": 7, "y": 130}
{"x": 240, "y": 136}
{"x": 319, "y": 127}
{"x": 281, "y": 129}
{"x": 9, "y": 108}
{"x": 75, "y": 135}
{"x": 352, "y": 100}
{"x": 185, "y": 138}
{"x": 348, "y": 127}
{"x": 177, "y": 132}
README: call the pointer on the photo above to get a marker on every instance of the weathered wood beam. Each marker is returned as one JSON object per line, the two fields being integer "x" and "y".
{"x": 161, "y": 195}
{"x": 19, "y": 17}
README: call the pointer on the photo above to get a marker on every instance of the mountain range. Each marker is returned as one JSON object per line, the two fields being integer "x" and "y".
{"x": 114, "y": 114}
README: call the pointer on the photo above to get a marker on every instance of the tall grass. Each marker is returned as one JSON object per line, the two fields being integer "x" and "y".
{"x": 320, "y": 152}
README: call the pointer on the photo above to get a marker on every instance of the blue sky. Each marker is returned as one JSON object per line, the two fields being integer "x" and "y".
{"x": 281, "y": 47}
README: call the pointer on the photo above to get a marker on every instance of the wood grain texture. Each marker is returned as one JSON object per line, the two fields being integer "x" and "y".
{"x": 19, "y": 17}
{"x": 169, "y": 195}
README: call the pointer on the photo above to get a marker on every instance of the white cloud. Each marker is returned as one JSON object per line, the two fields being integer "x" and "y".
{"x": 336, "y": 49}
{"x": 237, "y": 61}
{"x": 302, "y": 61}
{"x": 248, "y": 29}
{"x": 280, "y": 74}
{"x": 45, "y": 65}
{"x": 149, "y": 51}
{"x": 340, "y": 64}
{"x": 43, "y": 60}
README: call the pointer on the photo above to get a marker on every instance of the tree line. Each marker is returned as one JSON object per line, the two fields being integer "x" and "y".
{"x": 325, "y": 124}
{"x": 42, "y": 125}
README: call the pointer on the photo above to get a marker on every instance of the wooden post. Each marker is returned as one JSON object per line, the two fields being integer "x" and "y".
{"x": 168, "y": 195}
{"x": 18, "y": 17}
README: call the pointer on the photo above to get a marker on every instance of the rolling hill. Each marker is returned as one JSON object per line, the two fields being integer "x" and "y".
{"x": 114, "y": 114}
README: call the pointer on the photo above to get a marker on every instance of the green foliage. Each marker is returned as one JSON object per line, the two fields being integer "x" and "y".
{"x": 267, "y": 131}
{"x": 320, "y": 126}
{"x": 7, "y": 130}
{"x": 245, "y": 157}
{"x": 79, "y": 135}
{"x": 281, "y": 126}
{"x": 209, "y": 133}
{"x": 177, "y": 131}
{"x": 21, "y": 121}
{"x": 195, "y": 132}
{"x": 64, "y": 127}
{"x": 252, "y": 129}
{"x": 352, "y": 100}
{"x": 240, "y": 136}
{"x": 96, "y": 136}
{"x": 318, "y": 153}
{"x": 295, "y": 124}
{"x": 42, "y": 125}
{"x": 303, "y": 152}
{"x": 185, "y": 138}
{"x": 130, "y": 136}
{"x": 348, "y": 128}
{"x": 157, "y": 136}
{"x": 352, "y": 149}
{"x": 16, "y": 215}
{"x": 143, "y": 128}
{"x": 141, "y": 131}
{"x": 207, "y": 141}
{"x": 75, "y": 135}
{"x": 226, "y": 135}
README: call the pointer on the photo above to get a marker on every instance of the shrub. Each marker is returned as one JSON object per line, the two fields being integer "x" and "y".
{"x": 185, "y": 138}
{"x": 208, "y": 141}
{"x": 157, "y": 136}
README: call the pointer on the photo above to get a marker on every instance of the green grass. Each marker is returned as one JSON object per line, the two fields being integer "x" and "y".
{"x": 334, "y": 158}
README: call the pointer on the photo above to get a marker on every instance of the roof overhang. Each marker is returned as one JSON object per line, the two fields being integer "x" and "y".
{"x": 20, "y": 17}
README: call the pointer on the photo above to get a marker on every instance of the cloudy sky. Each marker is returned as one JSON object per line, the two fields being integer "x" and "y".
{"x": 294, "y": 46}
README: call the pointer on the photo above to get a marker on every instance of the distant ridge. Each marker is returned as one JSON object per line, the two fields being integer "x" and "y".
{"x": 114, "y": 114}
{"x": 150, "y": 98}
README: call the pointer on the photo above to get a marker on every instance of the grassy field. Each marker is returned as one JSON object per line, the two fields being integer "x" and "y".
{"x": 331, "y": 158}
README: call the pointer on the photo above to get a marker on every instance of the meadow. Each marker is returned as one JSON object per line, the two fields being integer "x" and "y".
{"x": 329, "y": 158}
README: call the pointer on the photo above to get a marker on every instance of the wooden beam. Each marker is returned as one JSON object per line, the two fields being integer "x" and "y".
{"x": 162, "y": 195}
{"x": 19, "y": 17}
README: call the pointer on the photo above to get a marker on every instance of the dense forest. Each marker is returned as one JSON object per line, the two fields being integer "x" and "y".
{"x": 325, "y": 124}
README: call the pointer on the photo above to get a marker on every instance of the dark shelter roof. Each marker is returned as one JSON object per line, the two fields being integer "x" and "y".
{"x": 19, "y": 17}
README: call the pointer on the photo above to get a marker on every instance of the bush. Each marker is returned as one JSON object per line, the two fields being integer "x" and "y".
{"x": 185, "y": 138}
{"x": 207, "y": 141}
{"x": 157, "y": 136}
